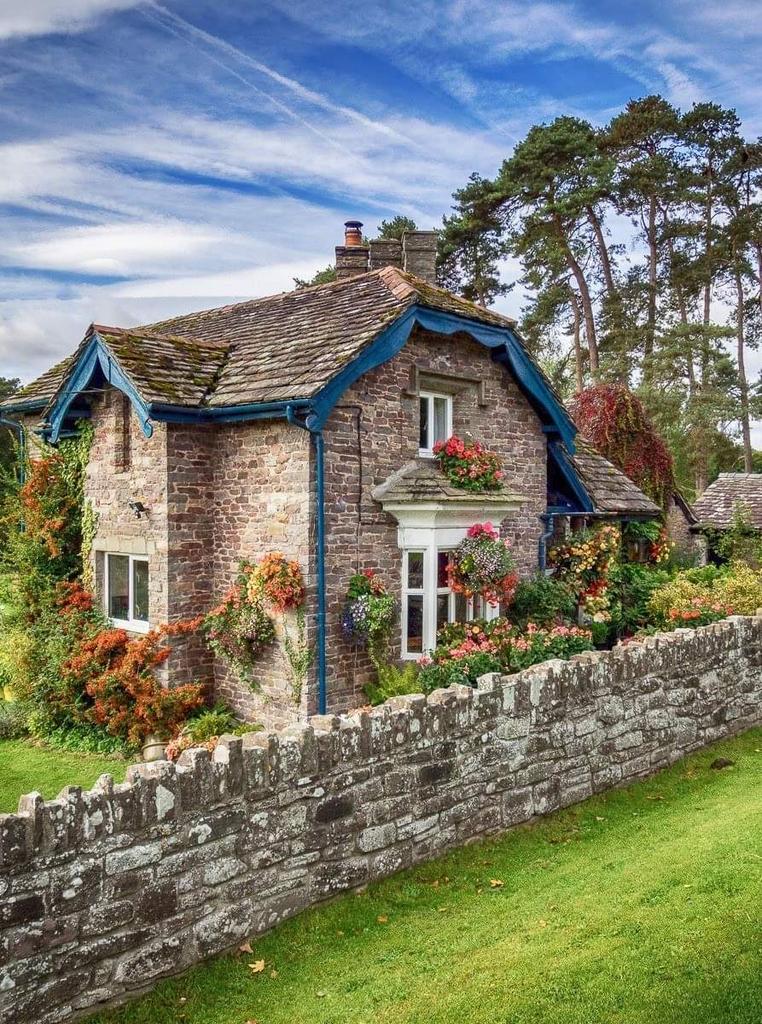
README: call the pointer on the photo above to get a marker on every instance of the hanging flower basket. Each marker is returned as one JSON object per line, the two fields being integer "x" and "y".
{"x": 278, "y": 581}
{"x": 469, "y": 466}
{"x": 369, "y": 613}
{"x": 239, "y": 627}
{"x": 482, "y": 565}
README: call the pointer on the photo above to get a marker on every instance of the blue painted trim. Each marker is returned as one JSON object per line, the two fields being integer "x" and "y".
{"x": 24, "y": 405}
{"x": 225, "y": 413}
{"x": 560, "y": 456}
{"x": 502, "y": 341}
{"x": 96, "y": 355}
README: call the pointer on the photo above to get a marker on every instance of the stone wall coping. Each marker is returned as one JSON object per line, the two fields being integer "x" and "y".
{"x": 162, "y": 794}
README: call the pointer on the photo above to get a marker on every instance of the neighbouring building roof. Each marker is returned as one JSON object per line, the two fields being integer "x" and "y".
{"x": 730, "y": 491}
{"x": 611, "y": 492}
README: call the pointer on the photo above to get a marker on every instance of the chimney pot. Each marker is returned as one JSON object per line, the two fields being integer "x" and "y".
{"x": 352, "y": 232}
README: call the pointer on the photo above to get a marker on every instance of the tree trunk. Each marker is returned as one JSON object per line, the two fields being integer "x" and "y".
{"x": 603, "y": 251}
{"x": 577, "y": 341}
{"x": 584, "y": 294}
{"x": 653, "y": 257}
{"x": 748, "y": 453}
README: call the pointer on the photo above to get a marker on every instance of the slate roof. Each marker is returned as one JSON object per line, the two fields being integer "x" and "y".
{"x": 285, "y": 346}
{"x": 716, "y": 505}
{"x": 40, "y": 391}
{"x": 422, "y": 480}
{"x": 611, "y": 492}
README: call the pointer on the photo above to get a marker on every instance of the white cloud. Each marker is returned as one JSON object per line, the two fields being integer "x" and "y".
{"x": 39, "y": 17}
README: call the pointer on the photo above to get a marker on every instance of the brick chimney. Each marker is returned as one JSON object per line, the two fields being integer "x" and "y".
{"x": 419, "y": 254}
{"x": 352, "y": 256}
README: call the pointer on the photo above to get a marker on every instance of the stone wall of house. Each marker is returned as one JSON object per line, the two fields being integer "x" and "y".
{"x": 103, "y": 892}
{"x": 374, "y": 431}
{"x": 125, "y": 466}
{"x": 689, "y": 546}
{"x": 261, "y": 503}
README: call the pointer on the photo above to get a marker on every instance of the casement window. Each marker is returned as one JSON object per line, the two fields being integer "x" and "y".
{"x": 435, "y": 421}
{"x": 125, "y": 591}
{"x": 428, "y": 603}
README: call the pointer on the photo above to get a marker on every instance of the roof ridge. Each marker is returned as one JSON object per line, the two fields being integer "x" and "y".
{"x": 306, "y": 289}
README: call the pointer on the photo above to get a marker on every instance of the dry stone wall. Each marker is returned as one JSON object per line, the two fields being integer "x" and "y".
{"x": 103, "y": 892}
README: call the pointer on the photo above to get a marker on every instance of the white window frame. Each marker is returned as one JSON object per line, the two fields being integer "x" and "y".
{"x": 428, "y": 452}
{"x": 430, "y": 592}
{"x": 131, "y": 624}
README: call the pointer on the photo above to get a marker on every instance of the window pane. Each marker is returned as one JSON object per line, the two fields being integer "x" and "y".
{"x": 140, "y": 591}
{"x": 440, "y": 420}
{"x": 424, "y": 428}
{"x": 443, "y": 610}
{"x": 461, "y": 608}
{"x": 415, "y": 625}
{"x": 415, "y": 570}
{"x": 118, "y": 586}
{"x": 443, "y": 559}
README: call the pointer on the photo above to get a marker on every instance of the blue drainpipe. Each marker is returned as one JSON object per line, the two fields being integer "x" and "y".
{"x": 18, "y": 429}
{"x": 317, "y": 439}
{"x": 547, "y": 520}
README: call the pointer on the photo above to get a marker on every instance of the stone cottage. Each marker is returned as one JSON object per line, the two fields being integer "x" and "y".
{"x": 304, "y": 422}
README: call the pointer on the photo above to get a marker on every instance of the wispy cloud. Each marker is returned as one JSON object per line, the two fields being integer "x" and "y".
{"x": 41, "y": 17}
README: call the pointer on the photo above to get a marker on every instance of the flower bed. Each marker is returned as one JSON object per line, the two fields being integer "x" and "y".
{"x": 467, "y": 651}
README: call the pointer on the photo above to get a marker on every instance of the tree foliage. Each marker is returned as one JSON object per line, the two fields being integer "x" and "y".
{"x": 640, "y": 243}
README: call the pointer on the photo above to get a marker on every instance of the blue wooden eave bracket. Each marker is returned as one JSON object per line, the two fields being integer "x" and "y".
{"x": 563, "y": 463}
{"x": 95, "y": 355}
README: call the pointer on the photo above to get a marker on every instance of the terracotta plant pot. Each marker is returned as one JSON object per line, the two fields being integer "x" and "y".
{"x": 154, "y": 749}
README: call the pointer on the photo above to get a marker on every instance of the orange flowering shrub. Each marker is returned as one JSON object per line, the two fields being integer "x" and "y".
{"x": 116, "y": 673}
{"x": 279, "y": 581}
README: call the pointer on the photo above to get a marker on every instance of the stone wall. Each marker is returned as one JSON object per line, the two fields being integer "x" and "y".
{"x": 373, "y": 432}
{"x": 103, "y": 892}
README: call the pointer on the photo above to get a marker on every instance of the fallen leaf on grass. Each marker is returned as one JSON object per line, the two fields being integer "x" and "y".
{"x": 257, "y": 967}
{"x": 273, "y": 974}
{"x": 245, "y": 948}
{"x": 496, "y": 883}
{"x": 321, "y": 994}
{"x": 382, "y": 919}
{"x": 542, "y": 924}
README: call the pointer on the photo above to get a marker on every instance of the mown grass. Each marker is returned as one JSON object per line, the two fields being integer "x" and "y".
{"x": 640, "y": 907}
{"x": 25, "y": 767}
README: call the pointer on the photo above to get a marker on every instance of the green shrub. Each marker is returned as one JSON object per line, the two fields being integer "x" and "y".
{"x": 633, "y": 583}
{"x": 543, "y": 600}
{"x": 216, "y": 721}
{"x": 12, "y": 720}
{"x": 740, "y": 588}
{"x": 393, "y": 682}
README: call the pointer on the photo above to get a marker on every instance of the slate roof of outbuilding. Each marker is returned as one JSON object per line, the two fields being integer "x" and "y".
{"x": 717, "y": 504}
{"x": 281, "y": 347}
{"x": 611, "y": 492}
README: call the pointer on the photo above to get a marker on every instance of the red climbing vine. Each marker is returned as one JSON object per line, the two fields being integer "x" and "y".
{"x": 614, "y": 420}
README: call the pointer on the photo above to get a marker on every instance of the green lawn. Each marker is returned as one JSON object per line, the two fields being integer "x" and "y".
{"x": 25, "y": 767}
{"x": 641, "y": 906}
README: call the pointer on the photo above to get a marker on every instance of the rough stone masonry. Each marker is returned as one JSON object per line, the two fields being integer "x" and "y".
{"x": 103, "y": 892}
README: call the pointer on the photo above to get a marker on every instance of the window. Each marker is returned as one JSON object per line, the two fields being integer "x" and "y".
{"x": 428, "y": 603}
{"x": 126, "y": 591}
{"x": 435, "y": 422}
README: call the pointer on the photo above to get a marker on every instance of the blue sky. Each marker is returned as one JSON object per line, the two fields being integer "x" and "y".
{"x": 160, "y": 157}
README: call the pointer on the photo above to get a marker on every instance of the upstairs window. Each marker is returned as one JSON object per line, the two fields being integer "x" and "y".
{"x": 126, "y": 591}
{"x": 435, "y": 421}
